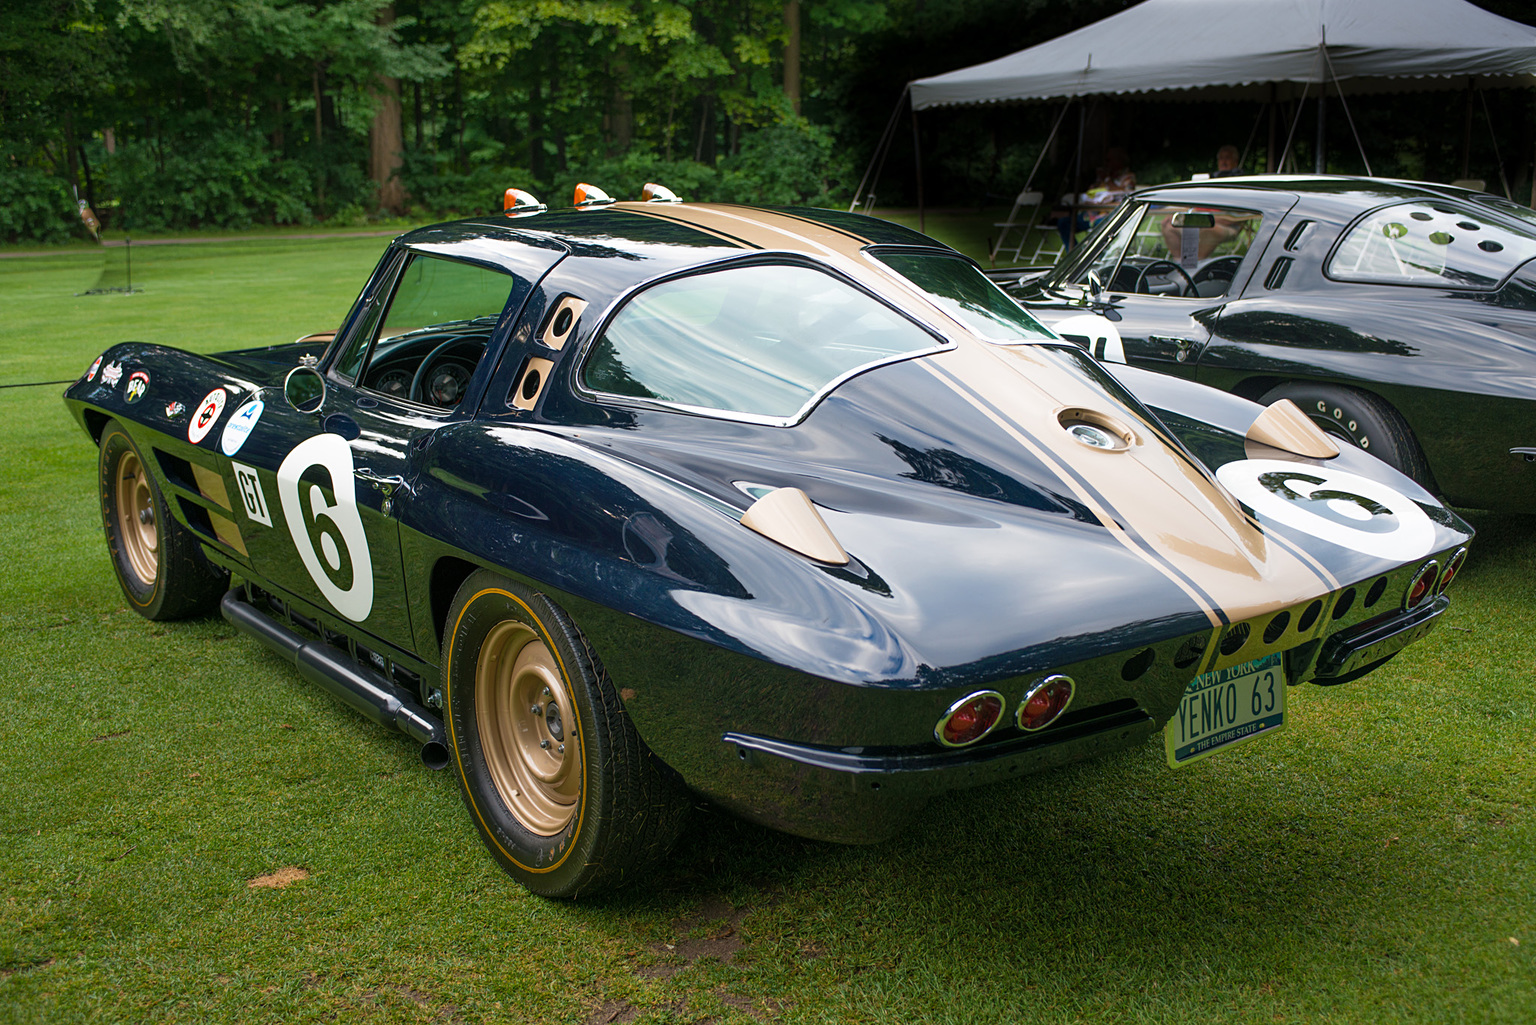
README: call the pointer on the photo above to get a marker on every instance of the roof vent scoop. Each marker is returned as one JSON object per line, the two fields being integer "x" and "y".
{"x": 517, "y": 202}
{"x": 788, "y": 516}
{"x": 1284, "y": 426}
{"x": 590, "y": 196}
{"x": 653, "y": 193}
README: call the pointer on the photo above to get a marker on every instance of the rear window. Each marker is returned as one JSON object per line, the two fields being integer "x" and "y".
{"x": 762, "y": 341}
{"x": 1429, "y": 244}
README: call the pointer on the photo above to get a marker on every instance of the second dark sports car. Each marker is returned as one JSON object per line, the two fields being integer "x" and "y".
{"x": 1400, "y": 316}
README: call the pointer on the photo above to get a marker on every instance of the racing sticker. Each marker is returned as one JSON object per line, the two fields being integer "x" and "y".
{"x": 138, "y": 384}
{"x": 174, "y": 410}
{"x": 1096, "y": 334}
{"x": 111, "y": 374}
{"x": 90, "y": 375}
{"x": 251, "y": 496}
{"x": 206, "y": 416}
{"x": 240, "y": 426}
{"x": 338, "y": 521}
{"x": 1335, "y": 505}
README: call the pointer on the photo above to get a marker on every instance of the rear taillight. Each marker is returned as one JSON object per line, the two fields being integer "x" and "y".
{"x": 969, "y": 719}
{"x": 1422, "y": 586}
{"x": 1452, "y": 568}
{"x": 1044, "y": 702}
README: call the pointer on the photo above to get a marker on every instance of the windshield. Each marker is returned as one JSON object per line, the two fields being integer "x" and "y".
{"x": 963, "y": 292}
{"x": 762, "y": 341}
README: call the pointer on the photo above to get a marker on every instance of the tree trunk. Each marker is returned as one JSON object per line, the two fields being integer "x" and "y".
{"x": 792, "y": 53}
{"x": 621, "y": 111}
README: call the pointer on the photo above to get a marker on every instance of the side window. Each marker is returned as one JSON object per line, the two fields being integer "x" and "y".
{"x": 761, "y": 341}
{"x": 1177, "y": 251}
{"x": 1429, "y": 244}
{"x": 435, "y": 330}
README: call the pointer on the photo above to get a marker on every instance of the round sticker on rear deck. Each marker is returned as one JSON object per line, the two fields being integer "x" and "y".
{"x": 240, "y": 426}
{"x": 207, "y": 415}
{"x": 1334, "y": 505}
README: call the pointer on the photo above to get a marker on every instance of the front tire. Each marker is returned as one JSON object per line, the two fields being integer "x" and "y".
{"x": 566, "y": 796}
{"x": 1364, "y": 420}
{"x": 158, "y": 562}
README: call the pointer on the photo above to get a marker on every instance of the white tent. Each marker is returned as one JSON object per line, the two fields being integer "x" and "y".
{"x": 1162, "y": 45}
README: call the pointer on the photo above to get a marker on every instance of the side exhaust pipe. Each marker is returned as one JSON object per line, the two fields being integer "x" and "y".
{"x": 333, "y": 669}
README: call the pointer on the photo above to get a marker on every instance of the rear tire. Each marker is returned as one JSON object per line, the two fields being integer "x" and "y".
{"x": 566, "y": 796}
{"x": 159, "y": 563}
{"x": 1366, "y": 421}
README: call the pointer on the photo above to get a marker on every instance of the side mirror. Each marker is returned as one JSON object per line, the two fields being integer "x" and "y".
{"x": 1095, "y": 284}
{"x": 304, "y": 389}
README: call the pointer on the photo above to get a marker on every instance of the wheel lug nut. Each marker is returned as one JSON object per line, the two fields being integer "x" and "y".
{"x": 535, "y": 709}
{"x": 544, "y": 744}
{"x": 562, "y": 749}
{"x": 546, "y": 692}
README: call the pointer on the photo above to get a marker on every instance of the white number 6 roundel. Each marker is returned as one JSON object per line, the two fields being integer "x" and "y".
{"x": 341, "y": 519}
{"x": 1335, "y": 505}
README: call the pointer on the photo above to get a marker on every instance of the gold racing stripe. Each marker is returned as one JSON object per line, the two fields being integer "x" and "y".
{"x": 1080, "y": 493}
{"x": 1150, "y": 498}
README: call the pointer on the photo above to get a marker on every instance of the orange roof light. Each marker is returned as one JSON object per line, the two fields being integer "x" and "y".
{"x": 516, "y": 202}
{"x": 591, "y": 195}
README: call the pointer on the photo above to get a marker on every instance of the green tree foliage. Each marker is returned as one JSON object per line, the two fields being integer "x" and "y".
{"x": 183, "y": 113}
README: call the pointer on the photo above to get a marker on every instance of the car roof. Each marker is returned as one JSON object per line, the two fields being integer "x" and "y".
{"x": 668, "y": 235}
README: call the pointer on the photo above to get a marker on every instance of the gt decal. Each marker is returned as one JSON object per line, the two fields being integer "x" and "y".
{"x": 1335, "y": 505}
{"x": 206, "y": 416}
{"x": 90, "y": 375}
{"x": 1096, "y": 334}
{"x": 240, "y": 426}
{"x": 111, "y": 374}
{"x": 251, "y": 496}
{"x": 340, "y": 519}
{"x": 138, "y": 384}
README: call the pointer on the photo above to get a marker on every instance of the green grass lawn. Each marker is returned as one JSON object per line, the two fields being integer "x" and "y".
{"x": 1374, "y": 862}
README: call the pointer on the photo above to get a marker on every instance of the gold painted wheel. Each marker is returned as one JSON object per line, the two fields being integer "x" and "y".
{"x": 136, "y": 524}
{"x": 523, "y": 712}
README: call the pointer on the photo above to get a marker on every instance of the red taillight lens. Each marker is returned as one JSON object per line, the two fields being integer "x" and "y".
{"x": 1452, "y": 568}
{"x": 969, "y": 719}
{"x": 1047, "y": 700}
{"x": 1423, "y": 584}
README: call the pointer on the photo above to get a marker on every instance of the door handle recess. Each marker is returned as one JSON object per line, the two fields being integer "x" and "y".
{"x": 385, "y": 485}
{"x": 1184, "y": 346}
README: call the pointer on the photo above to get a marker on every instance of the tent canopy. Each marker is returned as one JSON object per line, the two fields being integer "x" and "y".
{"x": 1164, "y": 45}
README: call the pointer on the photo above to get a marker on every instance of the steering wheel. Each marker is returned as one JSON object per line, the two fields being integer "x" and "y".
{"x": 441, "y": 379}
{"x": 1223, "y": 268}
{"x": 1161, "y": 268}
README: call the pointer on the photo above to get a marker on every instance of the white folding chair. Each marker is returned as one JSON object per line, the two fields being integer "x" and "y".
{"x": 1023, "y": 218}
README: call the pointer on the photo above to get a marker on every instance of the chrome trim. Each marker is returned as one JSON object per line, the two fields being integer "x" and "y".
{"x": 1430, "y": 569}
{"x": 938, "y": 730}
{"x": 1037, "y": 688}
{"x": 1452, "y": 567}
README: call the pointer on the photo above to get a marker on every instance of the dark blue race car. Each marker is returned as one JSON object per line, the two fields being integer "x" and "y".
{"x": 617, "y": 507}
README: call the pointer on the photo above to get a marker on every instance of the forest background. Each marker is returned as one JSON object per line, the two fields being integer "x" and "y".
{"x": 179, "y": 114}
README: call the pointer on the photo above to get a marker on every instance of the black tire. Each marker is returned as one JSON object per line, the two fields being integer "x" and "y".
{"x": 566, "y": 796}
{"x": 159, "y": 563}
{"x": 1364, "y": 420}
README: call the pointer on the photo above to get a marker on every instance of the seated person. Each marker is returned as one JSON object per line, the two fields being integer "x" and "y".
{"x": 1228, "y": 163}
{"x": 1112, "y": 183}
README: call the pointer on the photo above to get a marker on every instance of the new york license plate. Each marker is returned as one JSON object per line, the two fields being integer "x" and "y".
{"x": 1226, "y": 707}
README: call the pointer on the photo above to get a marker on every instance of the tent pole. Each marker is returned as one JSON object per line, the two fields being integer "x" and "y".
{"x": 1348, "y": 116}
{"x": 1466, "y": 136}
{"x": 1077, "y": 177}
{"x": 1301, "y": 103}
{"x": 877, "y": 159}
{"x": 1322, "y": 127}
{"x": 1270, "y": 167}
{"x": 917, "y": 157}
{"x": 1046, "y": 148}
{"x": 1494, "y": 137}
